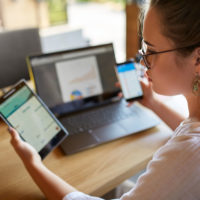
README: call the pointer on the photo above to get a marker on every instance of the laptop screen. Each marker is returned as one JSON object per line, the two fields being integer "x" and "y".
{"x": 71, "y": 80}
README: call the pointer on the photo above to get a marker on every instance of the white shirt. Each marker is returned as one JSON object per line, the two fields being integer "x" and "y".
{"x": 172, "y": 174}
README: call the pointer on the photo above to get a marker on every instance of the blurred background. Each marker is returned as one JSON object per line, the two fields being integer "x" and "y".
{"x": 43, "y": 26}
{"x": 65, "y": 24}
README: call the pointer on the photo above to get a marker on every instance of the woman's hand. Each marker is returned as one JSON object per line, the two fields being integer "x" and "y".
{"x": 50, "y": 184}
{"x": 25, "y": 151}
{"x": 148, "y": 99}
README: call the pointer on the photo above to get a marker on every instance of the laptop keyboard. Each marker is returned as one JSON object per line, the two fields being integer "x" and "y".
{"x": 97, "y": 118}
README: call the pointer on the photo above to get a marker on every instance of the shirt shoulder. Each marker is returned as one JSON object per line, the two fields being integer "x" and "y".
{"x": 173, "y": 168}
{"x": 188, "y": 126}
{"x": 185, "y": 141}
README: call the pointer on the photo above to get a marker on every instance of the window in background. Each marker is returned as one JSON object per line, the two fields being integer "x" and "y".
{"x": 101, "y": 22}
{"x": 57, "y": 11}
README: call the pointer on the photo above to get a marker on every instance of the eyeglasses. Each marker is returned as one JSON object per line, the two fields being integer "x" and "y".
{"x": 148, "y": 58}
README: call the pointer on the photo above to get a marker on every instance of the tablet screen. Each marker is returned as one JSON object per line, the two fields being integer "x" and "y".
{"x": 30, "y": 118}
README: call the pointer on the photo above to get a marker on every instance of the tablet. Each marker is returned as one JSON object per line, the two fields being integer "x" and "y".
{"x": 23, "y": 110}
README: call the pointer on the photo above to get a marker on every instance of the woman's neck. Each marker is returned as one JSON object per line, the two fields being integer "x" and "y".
{"x": 193, "y": 106}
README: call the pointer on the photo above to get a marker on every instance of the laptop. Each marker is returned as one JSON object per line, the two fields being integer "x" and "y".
{"x": 79, "y": 87}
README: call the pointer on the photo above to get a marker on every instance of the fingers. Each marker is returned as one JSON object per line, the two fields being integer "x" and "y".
{"x": 117, "y": 84}
{"x": 143, "y": 84}
{"x": 14, "y": 135}
{"x": 130, "y": 104}
{"x": 120, "y": 94}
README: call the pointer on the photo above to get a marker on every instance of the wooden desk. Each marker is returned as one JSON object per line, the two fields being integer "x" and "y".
{"x": 95, "y": 171}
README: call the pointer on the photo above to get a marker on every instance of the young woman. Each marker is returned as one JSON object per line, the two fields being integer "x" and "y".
{"x": 171, "y": 53}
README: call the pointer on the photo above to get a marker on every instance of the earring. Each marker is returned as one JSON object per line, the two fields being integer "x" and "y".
{"x": 196, "y": 85}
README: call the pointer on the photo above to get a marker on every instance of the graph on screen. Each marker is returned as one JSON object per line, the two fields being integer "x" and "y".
{"x": 79, "y": 78}
{"x": 88, "y": 75}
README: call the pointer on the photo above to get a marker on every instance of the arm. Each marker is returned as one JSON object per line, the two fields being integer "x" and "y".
{"x": 51, "y": 185}
{"x": 168, "y": 115}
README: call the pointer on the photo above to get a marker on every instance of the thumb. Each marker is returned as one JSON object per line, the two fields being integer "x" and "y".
{"x": 143, "y": 83}
{"x": 14, "y": 134}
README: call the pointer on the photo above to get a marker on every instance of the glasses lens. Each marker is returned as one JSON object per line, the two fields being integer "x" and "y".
{"x": 147, "y": 58}
{"x": 144, "y": 47}
{"x": 146, "y": 61}
{"x": 143, "y": 57}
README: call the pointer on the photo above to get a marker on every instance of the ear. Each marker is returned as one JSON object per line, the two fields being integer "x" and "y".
{"x": 197, "y": 60}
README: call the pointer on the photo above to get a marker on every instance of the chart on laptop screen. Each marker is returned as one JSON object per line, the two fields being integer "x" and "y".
{"x": 79, "y": 78}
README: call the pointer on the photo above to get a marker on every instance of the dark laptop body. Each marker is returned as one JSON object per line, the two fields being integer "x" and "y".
{"x": 79, "y": 87}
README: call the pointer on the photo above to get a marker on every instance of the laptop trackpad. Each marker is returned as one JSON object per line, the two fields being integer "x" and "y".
{"x": 77, "y": 142}
{"x": 109, "y": 132}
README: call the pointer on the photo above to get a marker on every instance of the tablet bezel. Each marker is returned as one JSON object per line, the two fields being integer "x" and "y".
{"x": 57, "y": 139}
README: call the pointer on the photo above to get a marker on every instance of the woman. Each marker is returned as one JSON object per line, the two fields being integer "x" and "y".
{"x": 171, "y": 53}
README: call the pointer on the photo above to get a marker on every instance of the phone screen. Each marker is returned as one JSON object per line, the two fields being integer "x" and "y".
{"x": 128, "y": 78}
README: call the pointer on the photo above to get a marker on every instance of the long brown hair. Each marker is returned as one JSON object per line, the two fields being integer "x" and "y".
{"x": 181, "y": 22}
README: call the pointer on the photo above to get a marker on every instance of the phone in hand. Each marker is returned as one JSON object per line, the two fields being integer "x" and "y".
{"x": 128, "y": 78}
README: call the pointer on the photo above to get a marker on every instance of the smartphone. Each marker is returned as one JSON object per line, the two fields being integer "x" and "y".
{"x": 128, "y": 78}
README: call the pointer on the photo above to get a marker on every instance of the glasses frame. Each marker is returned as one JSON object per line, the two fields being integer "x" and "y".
{"x": 142, "y": 53}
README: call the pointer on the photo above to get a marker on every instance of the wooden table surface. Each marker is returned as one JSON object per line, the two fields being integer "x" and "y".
{"x": 95, "y": 171}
